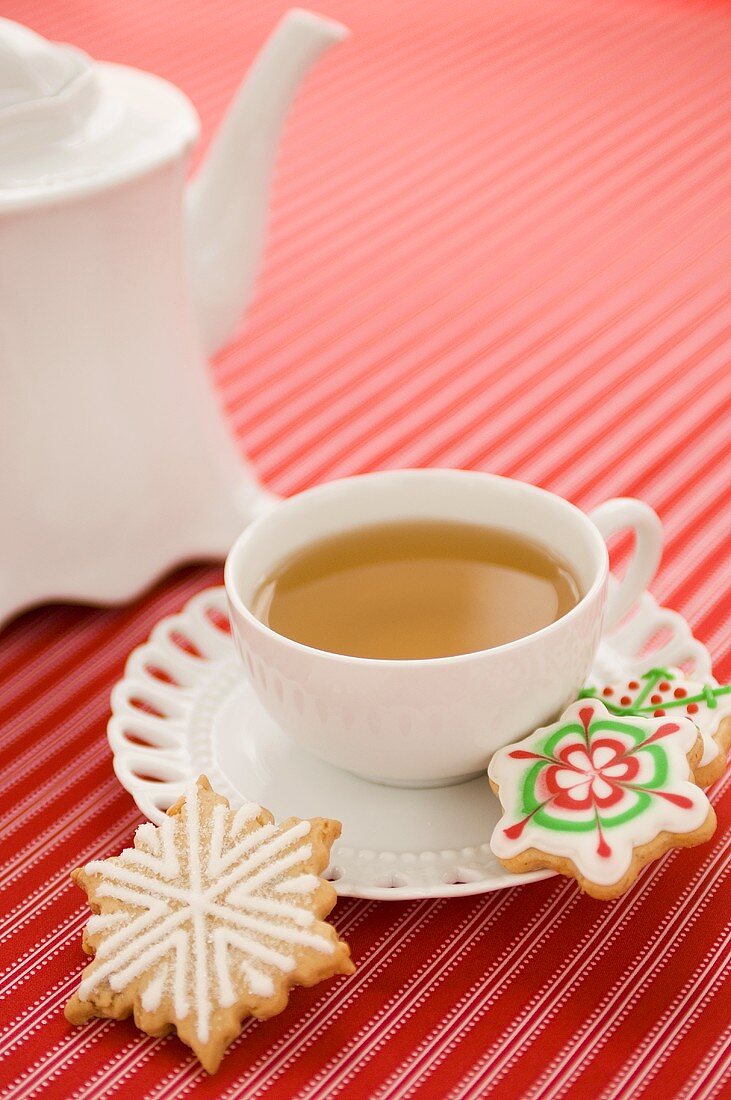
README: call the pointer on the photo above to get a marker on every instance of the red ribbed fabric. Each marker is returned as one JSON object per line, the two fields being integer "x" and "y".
{"x": 501, "y": 240}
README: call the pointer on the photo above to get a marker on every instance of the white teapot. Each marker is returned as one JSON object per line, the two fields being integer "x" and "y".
{"x": 115, "y": 280}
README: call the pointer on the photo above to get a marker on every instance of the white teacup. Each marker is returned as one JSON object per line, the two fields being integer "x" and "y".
{"x": 422, "y": 723}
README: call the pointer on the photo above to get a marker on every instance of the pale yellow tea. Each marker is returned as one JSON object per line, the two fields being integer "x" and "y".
{"x": 415, "y": 589}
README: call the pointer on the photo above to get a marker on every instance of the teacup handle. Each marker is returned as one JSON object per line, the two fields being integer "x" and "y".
{"x": 618, "y": 515}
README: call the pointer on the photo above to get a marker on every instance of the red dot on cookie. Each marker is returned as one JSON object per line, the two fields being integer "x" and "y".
{"x": 608, "y": 691}
{"x": 659, "y": 713}
{"x": 656, "y": 698}
{"x": 633, "y": 685}
{"x": 692, "y": 708}
{"x": 625, "y": 700}
{"x": 664, "y": 686}
{"x": 680, "y": 693}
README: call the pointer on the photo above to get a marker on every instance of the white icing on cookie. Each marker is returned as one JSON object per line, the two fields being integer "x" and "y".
{"x": 152, "y": 995}
{"x": 593, "y": 786}
{"x": 243, "y": 816}
{"x": 103, "y": 922}
{"x": 203, "y": 898}
{"x": 298, "y": 884}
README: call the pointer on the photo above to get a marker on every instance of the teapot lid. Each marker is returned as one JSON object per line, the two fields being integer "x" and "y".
{"x": 69, "y": 125}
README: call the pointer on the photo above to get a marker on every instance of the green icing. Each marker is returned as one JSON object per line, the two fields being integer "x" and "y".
{"x": 708, "y": 696}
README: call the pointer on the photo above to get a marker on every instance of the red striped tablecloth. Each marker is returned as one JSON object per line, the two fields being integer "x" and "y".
{"x": 500, "y": 240}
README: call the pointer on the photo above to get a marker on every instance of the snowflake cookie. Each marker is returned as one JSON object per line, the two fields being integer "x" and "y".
{"x": 596, "y": 796}
{"x": 211, "y": 917}
{"x": 664, "y": 691}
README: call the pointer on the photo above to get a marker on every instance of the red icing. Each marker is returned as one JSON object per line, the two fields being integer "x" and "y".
{"x": 633, "y": 685}
{"x": 680, "y": 693}
{"x": 656, "y": 698}
{"x": 514, "y": 831}
{"x": 586, "y": 714}
{"x": 625, "y": 700}
{"x": 692, "y": 708}
{"x": 676, "y": 799}
{"x": 608, "y": 691}
{"x": 663, "y": 731}
{"x": 664, "y": 686}
{"x": 660, "y": 713}
{"x": 580, "y": 761}
{"x": 603, "y": 848}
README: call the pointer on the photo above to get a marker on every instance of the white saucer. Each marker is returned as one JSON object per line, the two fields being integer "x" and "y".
{"x": 396, "y": 843}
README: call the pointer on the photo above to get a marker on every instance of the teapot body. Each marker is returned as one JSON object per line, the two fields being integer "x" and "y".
{"x": 115, "y": 461}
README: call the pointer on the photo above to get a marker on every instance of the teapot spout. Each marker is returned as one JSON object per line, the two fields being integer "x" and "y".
{"x": 226, "y": 202}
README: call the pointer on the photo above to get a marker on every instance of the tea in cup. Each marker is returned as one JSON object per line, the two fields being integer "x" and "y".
{"x": 412, "y": 589}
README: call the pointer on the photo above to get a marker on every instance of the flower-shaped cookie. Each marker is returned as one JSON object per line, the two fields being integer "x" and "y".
{"x": 596, "y": 796}
{"x": 211, "y": 917}
{"x": 666, "y": 691}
